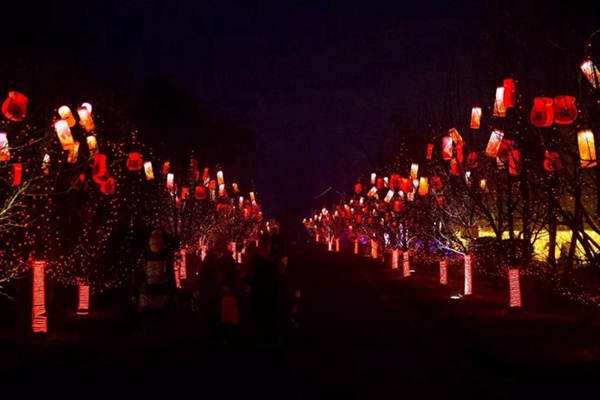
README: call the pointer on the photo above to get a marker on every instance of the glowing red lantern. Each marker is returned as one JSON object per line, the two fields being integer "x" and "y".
{"x": 447, "y": 148}
{"x": 499, "y": 106}
{"x": 212, "y": 185}
{"x": 185, "y": 193}
{"x": 552, "y": 162}
{"x": 472, "y": 160}
{"x": 459, "y": 152}
{"x": 17, "y": 170}
{"x": 494, "y": 143}
{"x": 565, "y": 111}
{"x": 66, "y": 114}
{"x": 200, "y": 193}
{"x": 99, "y": 171}
{"x": 73, "y": 153}
{"x": 514, "y": 161}
{"x": 542, "y": 113}
{"x": 429, "y": 151}
{"x": 591, "y": 72}
{"x": 134, "y": 162}
{"x": 4, "y": 147}
{"x": 476, "y": 118}
{"x": 85, "y": 118}
{"x": 379, "y": 183}
{"x": 166, "y": 166}
{"x": 395, "y": 181}
{"x": 148, "y": 171}
{"x": 15, "y": 106}
{"x": 109, "y": 186}
{"x": 510, "y": 93}
{"x": 171, "y": 183}
{"x": 64, "y": 134}
{"x": 436, "y": 183}
{"x": 398, "y": 205}
{"x": 406, "y": 185}
{"x": 357, "y": 188}
{"x": 454, "y": 167}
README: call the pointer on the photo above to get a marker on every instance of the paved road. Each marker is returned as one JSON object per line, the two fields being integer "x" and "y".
{"x": 350, "y": 344}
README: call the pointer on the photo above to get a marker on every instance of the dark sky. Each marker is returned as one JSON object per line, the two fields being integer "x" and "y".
{"x": 315, "y": 78}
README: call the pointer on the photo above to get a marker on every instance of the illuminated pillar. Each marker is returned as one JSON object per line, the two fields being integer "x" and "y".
{"x": 182, "y": 266}
{"x": 395, "y": 254}
{"x": 444, "y": 271}
{"x": 177, "y": 278}
{"x": 374, "y": 249}
{"x": 514, "y": 282}
{"x": 84, "y": 300}
{"x": 355, "y": 246}
{"x": 39, "y": 322}
{"x": 406, "y": 263}
{"x": 337, "y": 245}
{"x": 317, "y": 238}
{"x": 330, "y": 244}
{"x": 468, "y": 275}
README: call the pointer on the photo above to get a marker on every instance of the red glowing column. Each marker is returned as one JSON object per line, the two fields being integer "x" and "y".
{"x": 374, "y": 249}
{"x": 182, "y": 265}
{"x": 406, "y": 264}
{"x": 316, "y": 239}
{"x": 355, "y": 246}
{"x": 395, "y": 254}
{"x": 444, "y": 271}
{"x": 514, "y": 282}
{"x": 468, "y": 275}
{"x": 337, "y": 245}
{"x": 38, "y": 309}
{"x": 84, "y": 300}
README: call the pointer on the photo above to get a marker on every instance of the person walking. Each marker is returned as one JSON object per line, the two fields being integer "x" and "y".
{"x": 154, "y": 287}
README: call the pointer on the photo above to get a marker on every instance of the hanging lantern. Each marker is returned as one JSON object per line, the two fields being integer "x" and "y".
{"x": 475, "y": 117}
{"x": 459, "y": 152}
{"x": 212, "y": 185}
{"x": 398, "y": 205}
{"x": 200, "y": 193}
{"x": 395, "y": 182}
{"x": 373, "y": 177}
{"x": 92, "y": 145}
{"x": 500, "y": 163}
{"x": 510, "y": 93}
{"x": 372, "y": 192}
{"x": 494, "y": 143}
{"x": 134, "y": 161}
{"x": 386, "y": 182}
{"x": 109, "y": 186}
{"x": 85, "y": 118}
{"x": 552, "y": 161}
{"x": 379, "y": 183}
{"x": 46, "y": 163}
{"x": 565, "y": 111}
{"x": 222, "y": 192}
{"x": 252, "y": 196}
{"x": 16, "y": 174}
{"x": 4, "y": 148}
{"x": 414, "y": 171}
{"x": 87, "y": 106}
{"x": 429, "y": 151}
{"x": 235, "y": 188}
{"x": 148, "y": 171}
{"x": 406, "y": 185}
{"x": 389, "y": 196}
{"x": 504, "y": 150}
{"x": 220, "y": 179}
{"x": 241, "y": 201}
{"x": 205, "y": 176}
{"x": 454, "y": 167}
{"x": 447, "y": 148}
{"x": 456, "y": 138}
{"x": 440, "y": 200}
{"x": 66, "y": 114}
{"x": 357, "y": 188}
{"x": 170, "y": 183}
{"x": 514, "y": 161}
{"x": 73, "y": 153}
{"x": 468, "y": 178}
{"x": 166, "y": 167}
{"x": 423, "y": 186}
{"x": 185, "y": 193}
{"x": 587, "y": 148}
{"x": 542, "y": 113}
{"x": 15, "y": 106}
{"x": 436, "y": 183}
{"x": 99, "y": 171}
{"x": 472, "y": 160}
{"x": 64, "y": 134}
{"x": 499, "y": 107}
{"x": 591, "y": 72}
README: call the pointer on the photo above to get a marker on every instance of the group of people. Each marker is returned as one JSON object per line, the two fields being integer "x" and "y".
{"x": 221, "y": 286}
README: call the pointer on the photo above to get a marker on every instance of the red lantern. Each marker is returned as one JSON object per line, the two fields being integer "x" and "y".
{"x": 454, "y": 167}
{"x": 108, "y": 187}
{"x": 395, "y": 182}
{"x": 472, "y": 160}
{"x": 212, "y": 185}
{"x": 565, "y": 111}
{"x": 510, "y": 94}
{"x": 166, "y": 167}
{"x": 185, "y": 193}
{"x": 514, "y": 161}
{"x": 200, "y": 193}
{"x": 99, "y": 172}
{"x": 475, "y": 117}
{"x": 406, "y": 185}
{"x": 552, "y": 162}
{"x": 440, "y": 200}
{"x": 357, "y": 188}
{"x": 134, "y": 162}
{"x": 504, "y": 149}
{"x": 16, "y": 174}
{"x": 459, "y": 152}
{"x": 429, "y": 151}
{"x": 542, "y": 113}
{"x": 379, "y": 183}
{"x": 436, "y": 183}
{"x": 15, "y": 106}
{"x": 447, "y": 148}
{"x": 398, "y": 205}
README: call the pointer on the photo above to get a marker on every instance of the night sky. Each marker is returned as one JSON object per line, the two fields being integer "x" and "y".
{"x": 316, "y": 78}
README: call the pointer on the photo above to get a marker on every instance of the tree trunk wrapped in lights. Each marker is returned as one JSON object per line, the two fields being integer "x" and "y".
{"x": 64, "y": 134}
{"x": 148, "y": 171}
{"x": 476, "y": 118}
{"x": 395, "y": 257}
{"x": 38, "y": 309}
{"x": 514, "y": 283}
{"x": 468, "y": 275}
{"x": 499, "y": 107}
{"x": 374, "y": 249}
{"x": 406, "y": 263}
{"x": 542, "y": 112}
{"x": 447, "y": 148}
{"x": 84, "y": 300}
{"x": 337, "y": 245}
{"x": 494, "y": 143}
{"x": 4, "y": 147}
{"x": 587, "y": 148}
{"x": 373, "y": 178}
{"x": 565, "y": 111}
{"x": 73, "y": 153}
{"x": 591, "y": 73}
{"x": 444, "y": 271}
{"x": 66, "y": 114}
{"x": 14, "y": 107}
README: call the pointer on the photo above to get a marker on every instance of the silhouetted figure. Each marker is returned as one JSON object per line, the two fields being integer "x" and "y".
{"x": 154, "y": 286}
{"x": 265, "y": 292}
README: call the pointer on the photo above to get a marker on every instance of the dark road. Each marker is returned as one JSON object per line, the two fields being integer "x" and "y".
{"x": 350, "y": 343}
